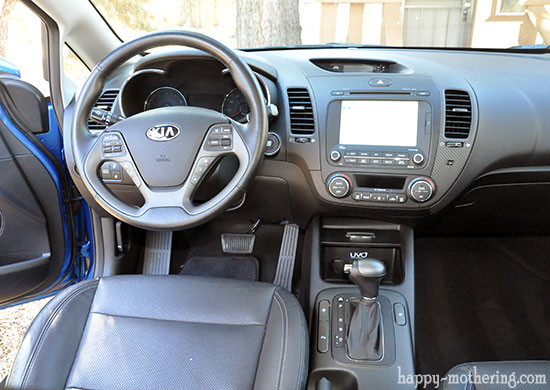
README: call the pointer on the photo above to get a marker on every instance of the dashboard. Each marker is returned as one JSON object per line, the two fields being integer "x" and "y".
{"x": 403, "y": 132}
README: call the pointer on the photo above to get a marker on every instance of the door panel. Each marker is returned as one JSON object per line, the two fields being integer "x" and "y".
{"x": 34, "y": 241}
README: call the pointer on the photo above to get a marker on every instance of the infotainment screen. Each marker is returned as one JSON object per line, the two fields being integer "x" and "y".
{"x": 379, "y": 122}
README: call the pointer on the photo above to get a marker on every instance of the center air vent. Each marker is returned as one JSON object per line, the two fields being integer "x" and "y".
{"x": 458, "y": 114}
{"x": 301, "y": 112}
{"x": 105, "y": 102}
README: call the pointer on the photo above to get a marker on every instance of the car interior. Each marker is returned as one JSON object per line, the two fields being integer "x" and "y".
{"x": 321, "y": 217}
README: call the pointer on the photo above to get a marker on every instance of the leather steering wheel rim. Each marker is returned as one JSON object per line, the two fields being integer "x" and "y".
{"x": 163, "y": 208}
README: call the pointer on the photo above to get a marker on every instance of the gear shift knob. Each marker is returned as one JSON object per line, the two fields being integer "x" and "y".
{"x": 366, "y": 274}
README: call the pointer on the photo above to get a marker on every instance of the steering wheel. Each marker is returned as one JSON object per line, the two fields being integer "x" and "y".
{"x": 167, "y": 151}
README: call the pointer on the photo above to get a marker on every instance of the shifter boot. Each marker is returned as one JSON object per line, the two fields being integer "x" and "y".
{"x": 364, "y": 330}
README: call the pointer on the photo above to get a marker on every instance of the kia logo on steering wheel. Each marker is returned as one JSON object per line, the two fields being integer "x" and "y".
{"x": 163, "y": 132}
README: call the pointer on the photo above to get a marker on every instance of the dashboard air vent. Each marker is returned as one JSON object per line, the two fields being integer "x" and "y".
{"x": 301, "y": 111}
{"x": 458, "y": 114}
{"x": 105, "y": 102}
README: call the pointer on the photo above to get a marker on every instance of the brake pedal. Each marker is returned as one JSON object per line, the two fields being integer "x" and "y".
{"x": 158, "y": 249}
{"x": 242, "y": 244}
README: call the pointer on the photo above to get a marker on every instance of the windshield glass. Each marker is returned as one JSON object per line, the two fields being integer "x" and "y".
{"x": 260, "y": 23}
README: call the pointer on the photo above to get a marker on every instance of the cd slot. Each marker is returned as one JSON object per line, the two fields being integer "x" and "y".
{"x": 402, "y": 93}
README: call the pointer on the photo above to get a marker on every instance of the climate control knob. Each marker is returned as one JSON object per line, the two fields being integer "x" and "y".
{"x": 421, "y": 189}
{"x": 339, "y": 185}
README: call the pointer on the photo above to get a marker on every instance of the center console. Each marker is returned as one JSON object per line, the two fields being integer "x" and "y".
{"x": 362, "y": 310}
{"x": 386, "y": 143}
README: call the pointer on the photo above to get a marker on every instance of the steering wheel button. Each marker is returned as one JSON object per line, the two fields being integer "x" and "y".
{"x": 214, "y": 142}
{"x": 226, "y": 142}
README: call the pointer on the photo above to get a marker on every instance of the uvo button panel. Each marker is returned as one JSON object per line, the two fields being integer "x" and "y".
{"x": 323, "y": 326}
{"x": 219, "y": 138}
{"x": 112, "y": 145}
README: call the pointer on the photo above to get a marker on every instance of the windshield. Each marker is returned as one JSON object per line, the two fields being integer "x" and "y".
{"x": 261, "y": 23}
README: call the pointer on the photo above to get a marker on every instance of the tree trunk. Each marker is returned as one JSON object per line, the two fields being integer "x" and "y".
{"x": 268, "y": 23}
{"x": 7, "y": 9}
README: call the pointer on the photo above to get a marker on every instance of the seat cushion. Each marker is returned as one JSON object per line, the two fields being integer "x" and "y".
{"x": 151, "y": 332}
{"x": 499, "y": 375}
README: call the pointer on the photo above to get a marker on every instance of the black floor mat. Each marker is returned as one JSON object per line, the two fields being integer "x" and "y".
{"x": 241, "y": 268}
{"x": 205, "y": 241}
{"x": 480, "y": 299}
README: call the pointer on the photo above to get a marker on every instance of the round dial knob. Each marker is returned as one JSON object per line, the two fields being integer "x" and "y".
{"x": 335, "y": 155}
{"x": 418, "y": 158}
{"x": 421, "y": 189}
{"x": 339, "y": 185}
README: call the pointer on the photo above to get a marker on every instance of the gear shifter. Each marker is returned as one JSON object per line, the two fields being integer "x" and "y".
{"x": 364, "y": 331}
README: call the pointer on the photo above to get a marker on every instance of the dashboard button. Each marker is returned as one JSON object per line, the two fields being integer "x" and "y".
{"x": 349, "y": 153}
{"x": 402, "y": 155}
{"x": 350, "y": 160}
{"x": 389, "y": 154}
{"x": 335, "y": 155}
{"x": 367, "y": 195}
{"x": 380, "y": 197}
{"x": 402, "y": 162}
{"x": 363, "y": 161}
{"x": 392, "y": 198}
{"x": 273, "y": 144}
{"x": 377, "y": 154}
{"x": 380, "y": 82}
{"x": 357, "y": 196}
{"x": 418, "y": 158}
{"x": 376, "y": 161}
{"x": 389, "y": 161}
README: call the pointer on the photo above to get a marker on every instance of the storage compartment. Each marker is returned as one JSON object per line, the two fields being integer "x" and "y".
{"x": 335, "y": 257}
{"x": 343, "y": 242}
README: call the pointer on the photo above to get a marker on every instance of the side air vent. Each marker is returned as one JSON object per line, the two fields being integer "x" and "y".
{"x": 458, "y": 114}
{"x": 105, "y": 102}
{"x": 301, "y": 112}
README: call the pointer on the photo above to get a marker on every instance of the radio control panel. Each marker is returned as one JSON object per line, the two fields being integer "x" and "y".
{"x": 369, "y": 159}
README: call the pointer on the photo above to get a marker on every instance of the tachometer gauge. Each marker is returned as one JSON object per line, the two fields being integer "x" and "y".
{"x": 235, "y": 106}
{"x": 164, "y": 97}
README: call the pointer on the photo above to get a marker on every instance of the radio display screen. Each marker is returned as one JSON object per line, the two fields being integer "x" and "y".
{"x": 379, "y": 122}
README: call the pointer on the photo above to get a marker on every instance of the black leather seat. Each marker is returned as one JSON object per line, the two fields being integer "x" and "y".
{"x": 499, "y": 375}
{"x": 165, "y": 332}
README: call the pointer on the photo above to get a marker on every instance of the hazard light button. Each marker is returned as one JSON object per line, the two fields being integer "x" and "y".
{"x": 380, "y": 82}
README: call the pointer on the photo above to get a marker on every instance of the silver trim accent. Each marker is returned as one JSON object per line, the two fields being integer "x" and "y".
{"x": 263, "y": 85}
{"x": 164, "y": 87}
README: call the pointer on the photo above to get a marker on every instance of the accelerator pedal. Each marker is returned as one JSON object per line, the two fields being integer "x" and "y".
{"x": 158, "y": 248}
{"x": 287, "y": 257}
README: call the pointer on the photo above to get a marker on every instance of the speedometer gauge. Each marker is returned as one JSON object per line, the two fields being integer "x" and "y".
{"x": 164, "y": 97}
{"x": 235, "y": 106}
